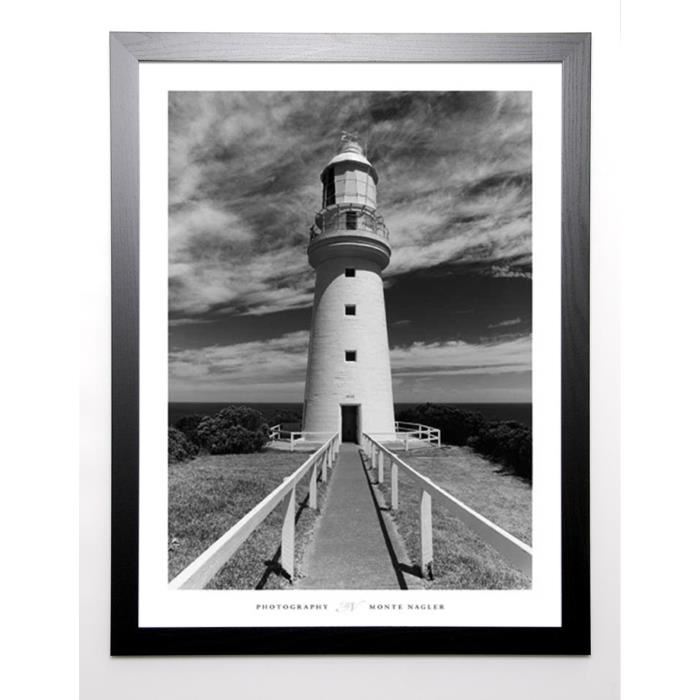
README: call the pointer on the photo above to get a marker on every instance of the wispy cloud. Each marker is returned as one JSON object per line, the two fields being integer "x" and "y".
{"x": 456, "y": 357}
{"x": 454, "y": 187}
{"x": 176, "y": 322}
{"x": 508, "y": 271}
{"x": 507, "y": 322}
{"x": 268, "y": 370}
{"x": 224, "y": 370}
{"x": 257, "y": 360}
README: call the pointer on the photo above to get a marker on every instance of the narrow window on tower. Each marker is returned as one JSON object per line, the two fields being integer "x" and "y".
{"x": 351, "y": 220}
{"x": 350, "y": 310}
{"x": 349, "y": 271}
{"x": 329, "y": 189}
{"x": 351, "y": 355}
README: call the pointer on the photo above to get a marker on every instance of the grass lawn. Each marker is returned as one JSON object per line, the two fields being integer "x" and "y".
{"x": 209, "y": 494}
{"x": 461, "y": 559}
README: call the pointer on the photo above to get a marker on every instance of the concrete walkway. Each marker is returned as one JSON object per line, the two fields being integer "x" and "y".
{"x": 349, "y": 549}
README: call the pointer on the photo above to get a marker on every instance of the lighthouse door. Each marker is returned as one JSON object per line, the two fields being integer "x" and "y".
{"x": 348, "y": 415}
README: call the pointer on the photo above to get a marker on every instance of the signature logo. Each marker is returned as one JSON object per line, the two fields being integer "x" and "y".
{"x": 350, "y": 605}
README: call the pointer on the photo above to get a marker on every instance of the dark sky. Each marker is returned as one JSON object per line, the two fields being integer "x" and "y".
{"x": 454, "y": 189}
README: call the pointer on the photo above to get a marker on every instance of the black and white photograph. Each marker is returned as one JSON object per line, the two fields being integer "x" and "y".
{"x": 350, "y": 340}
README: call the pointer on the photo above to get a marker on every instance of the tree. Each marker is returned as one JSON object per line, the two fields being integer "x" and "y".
{"x": 457, "y": 427}
{"x": 233, "y": 430}
{"x": 180, "y": 448}
{"x": 508, "y": 443}
{"x": 188, "y": 425}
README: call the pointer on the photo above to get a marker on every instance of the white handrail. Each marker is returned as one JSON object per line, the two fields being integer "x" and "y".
{"x": 207, "y": 564}
{"x": 294, "y": 436}
{"x": 517, "y": 553}
{"x": 426, "y": 433}
{"x": 298, "y": 435}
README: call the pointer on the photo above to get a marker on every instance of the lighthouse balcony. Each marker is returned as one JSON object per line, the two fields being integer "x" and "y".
{"x": 349, "y": 218}
{"x": 343, "y": 231}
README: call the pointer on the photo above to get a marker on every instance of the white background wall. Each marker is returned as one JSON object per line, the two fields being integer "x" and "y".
{"x": 54, "y": 166}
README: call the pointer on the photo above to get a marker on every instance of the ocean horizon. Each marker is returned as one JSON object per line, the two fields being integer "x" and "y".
{"x": 520, "y": 412}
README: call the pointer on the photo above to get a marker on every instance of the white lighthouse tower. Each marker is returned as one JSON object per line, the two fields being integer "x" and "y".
{"x": 348, "y": 376}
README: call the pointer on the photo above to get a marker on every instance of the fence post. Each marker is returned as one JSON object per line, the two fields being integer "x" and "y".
{"x": 405, "y": 443}
{"x": 426, "y": 535}
{"x": 439, "y": 435}
{"x": 291, "y": 442}
{"x": 380, "y": 467}
{"x": 287, "y": 553}
{"x": 394, "y": 486}
{"x": 313, "y": 499}
{"x": 324, "y": 464}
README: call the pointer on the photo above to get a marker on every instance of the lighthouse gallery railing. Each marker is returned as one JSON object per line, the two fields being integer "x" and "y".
{"x": 211, "y": 561}
{"x": 350, "y": 217}
{"x": 515, "y": 552}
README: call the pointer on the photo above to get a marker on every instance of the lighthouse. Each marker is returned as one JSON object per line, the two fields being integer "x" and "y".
{"x": 348, "y": 375}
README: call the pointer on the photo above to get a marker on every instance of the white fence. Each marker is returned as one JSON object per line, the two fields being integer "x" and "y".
{"x": 410, "y": 435}
{"x": 207, "y": 564}
{"x": 417, "y": 431}
{"x": 515, "y": 552}
{"x": 292, "y": 437}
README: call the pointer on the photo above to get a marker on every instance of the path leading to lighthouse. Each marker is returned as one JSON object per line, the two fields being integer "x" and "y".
{"x": 349, "y": 549}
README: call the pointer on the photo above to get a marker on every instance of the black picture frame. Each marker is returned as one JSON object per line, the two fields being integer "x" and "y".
{"x": 573, "y": 52}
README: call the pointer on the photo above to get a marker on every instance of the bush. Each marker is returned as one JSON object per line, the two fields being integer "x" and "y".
{"x": 233, "y": 430}
{"x": 286, "y": 416}
{"x": 287, "y": 419}
{"x": 180, "y": 448}
{"x": 188, "y": 425}
{"x": 508, "y": 443}
{"x": 457, "y": 426}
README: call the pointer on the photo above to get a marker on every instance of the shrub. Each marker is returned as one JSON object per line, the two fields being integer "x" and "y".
{"x": 233, "y": 430}
{"x": 508, "y": 443}
{"x": 180, "y": 449}
{"x": 287, "y": 419}
{"x": 457, "y": 426}
{"x": 188, "y": 425}
{"x": 286, "y": 416}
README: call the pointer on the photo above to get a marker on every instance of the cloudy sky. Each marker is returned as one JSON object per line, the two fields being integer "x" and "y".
{"x": 455, "y": 192}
